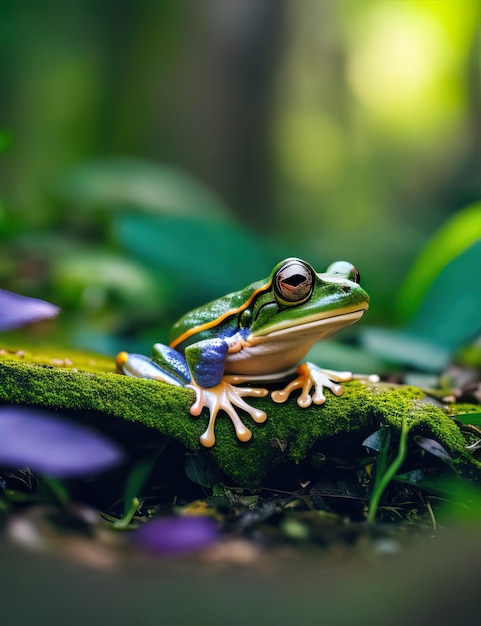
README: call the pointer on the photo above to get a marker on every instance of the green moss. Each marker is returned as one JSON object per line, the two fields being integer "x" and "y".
{"x": 463, "y": 408}
{"x": 88, "y": 383}
{"x": 58, "y": 357}
{"x": 135, "y": 400}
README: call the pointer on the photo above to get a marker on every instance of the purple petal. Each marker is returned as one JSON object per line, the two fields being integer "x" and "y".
{"x": 52, "y": 445}
{"x": 17, "y": 310}
{"x": 174, "y": 535}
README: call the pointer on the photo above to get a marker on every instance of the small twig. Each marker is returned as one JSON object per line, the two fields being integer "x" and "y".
{"x": 431, "y": 514}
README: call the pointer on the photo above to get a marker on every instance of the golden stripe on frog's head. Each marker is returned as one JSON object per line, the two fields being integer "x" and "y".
{"x": 218, "y": 320}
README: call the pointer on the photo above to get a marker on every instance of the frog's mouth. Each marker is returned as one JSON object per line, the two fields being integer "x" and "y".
{"x": 316, "y": 326}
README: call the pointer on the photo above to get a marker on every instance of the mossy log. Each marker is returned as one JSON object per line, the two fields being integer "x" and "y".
{"x": 84, "y": 384}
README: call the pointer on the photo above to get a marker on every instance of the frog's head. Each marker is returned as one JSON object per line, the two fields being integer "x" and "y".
{"x": 300, "y": 301}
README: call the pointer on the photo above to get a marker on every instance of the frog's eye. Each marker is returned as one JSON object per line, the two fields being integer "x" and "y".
{"x": 356, "y": 276}
{"x": 345, "y": 270}
{"x": 293, "y": 283}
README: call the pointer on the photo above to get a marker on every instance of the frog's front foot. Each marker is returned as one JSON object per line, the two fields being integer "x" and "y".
{"x": 225, "y": 396}
{"x": 310, "y": 376}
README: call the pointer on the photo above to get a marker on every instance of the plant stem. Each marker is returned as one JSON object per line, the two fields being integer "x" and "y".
{"x": 126, "y": 518}
{"x": 57, "y": 488}
{"x": 391, "y": 471}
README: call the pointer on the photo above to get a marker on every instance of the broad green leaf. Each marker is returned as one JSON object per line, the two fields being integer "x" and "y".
{"x": 379, "y": 441}
{"x": 403, "y": 347}
{"x": 201, "y": 470}
{"x": 459, "y": 499}
{"x": 450, "y": 313}
{"x": 94, "y": 277}
{"x": 470, "y": 418}
{"x": 448, "y": 317}
{"x": 333, "y": 354}
{"x": 457, "y": 234}
{"x": 206, "y": 258}
{"x": 415, "y": 477}
{"x": 147, "y": 186}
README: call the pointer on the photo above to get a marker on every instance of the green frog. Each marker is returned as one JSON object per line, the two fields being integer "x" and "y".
{"x": 257, "y": 334}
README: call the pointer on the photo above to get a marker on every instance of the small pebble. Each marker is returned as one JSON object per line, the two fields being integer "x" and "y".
{"x": 387, "y": 546}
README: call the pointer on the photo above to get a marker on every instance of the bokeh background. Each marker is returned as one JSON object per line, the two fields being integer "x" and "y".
{"x": 157, "y": 154}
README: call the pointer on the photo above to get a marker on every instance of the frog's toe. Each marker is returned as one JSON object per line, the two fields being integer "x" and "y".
{"x": 281, "y": 395}
{"x": 207, "y": 439}
{"x": 321, "y": 379}
{"x": 242, "y": 432}
{"x": 236, "y": 395}
{"x": 337, "y": 390}
{"x": 305, "y": 400}
{"x": 196, "y": 408}
{"x": 331, "y": 375}
{"x": 312, "y": 378}
{"x": 226, "y": 397}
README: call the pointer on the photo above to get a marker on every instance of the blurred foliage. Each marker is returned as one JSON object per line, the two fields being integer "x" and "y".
{"x": 453, "y": 239}
{"x": 440, "y": 297}
{"x": 156, "y": 155}
{"x": 116, "y": 183}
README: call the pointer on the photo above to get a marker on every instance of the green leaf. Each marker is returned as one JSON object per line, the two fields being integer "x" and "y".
{"x": 379, "y": 441}
{"x": 450, "y": 313}
{"x": 201, "y": 469}
{"x": 416, "y": 477}
{"x": 448, "y": 318}
{"x": 5, "y": 140}
{"x": 443, "y": 485}
{"x": 385, "y": 473}
{"x": 458, "y": 234}
{"x": 460, "y": 499}
{"x": 94, "y": 276}
{"x": 333, "y": 354}
{"x": 470, "y": 418}
{"x": 206, "y": 258}
{"x": 151, "y": 187}
{"x": 403, "y": 347}
{"x": 137, "y": 478}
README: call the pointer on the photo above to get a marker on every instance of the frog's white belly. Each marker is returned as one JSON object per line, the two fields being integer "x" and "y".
{"x": 281, "y": 350}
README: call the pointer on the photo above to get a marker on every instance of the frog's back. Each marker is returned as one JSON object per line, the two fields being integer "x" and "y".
{"x": 214, "y": 319}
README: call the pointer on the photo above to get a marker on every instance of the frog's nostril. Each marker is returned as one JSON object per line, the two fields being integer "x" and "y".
{"x": 346, "y": 288}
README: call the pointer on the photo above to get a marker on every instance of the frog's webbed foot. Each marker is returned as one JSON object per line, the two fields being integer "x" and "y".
{"x": 225, "y": 396}
{"x": 310, "y": 376}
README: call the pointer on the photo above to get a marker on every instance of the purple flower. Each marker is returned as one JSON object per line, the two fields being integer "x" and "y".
{"x": 16, "y": 310}
{"x": 174, "y": 535}
{"x": 52, "y": 445}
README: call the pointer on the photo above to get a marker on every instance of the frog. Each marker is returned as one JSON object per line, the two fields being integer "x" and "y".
{"x": 258, "y": 335}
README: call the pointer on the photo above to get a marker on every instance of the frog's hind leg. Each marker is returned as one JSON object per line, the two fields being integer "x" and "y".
{"x": 140, "y": 366}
